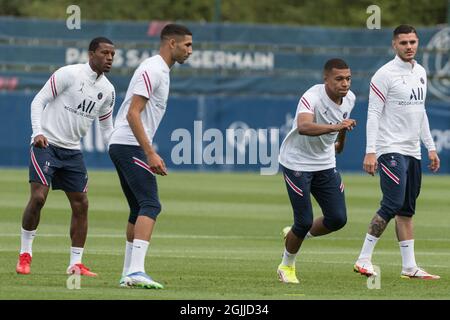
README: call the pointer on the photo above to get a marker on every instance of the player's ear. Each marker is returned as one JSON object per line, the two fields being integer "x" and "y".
{"x": 325, "y": 77}
{"x": 172, "y": 42}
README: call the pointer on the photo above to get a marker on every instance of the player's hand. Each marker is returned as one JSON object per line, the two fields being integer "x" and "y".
{"x": 156, "y": 164}
{"x": 40, "y": 141}
{"x": 370, "y": 163}
{"x": 347, "y": 124}
{"x": 435, "y": 163}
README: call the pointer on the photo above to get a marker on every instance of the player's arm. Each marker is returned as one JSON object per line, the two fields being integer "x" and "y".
{"x": 49, "y": 92}
{"x": 427, "y": 140}
{"x": 306, "y": 125}
{"x": 155, "y": 162}
{"x": 377, "y": 100}
{"x": 105, "y": 117}
{"x": 340, "y": 141}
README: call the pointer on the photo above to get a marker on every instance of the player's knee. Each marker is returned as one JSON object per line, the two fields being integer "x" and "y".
{"x": 386, "y": 213}
{"x": 151, "y": 210}
{"x": 301, "y": 227}
{"x": 79, "y": 205}
{"x": 336, "y": 223}
{"x": 301, "y": 230}
{"x": 38, "y": 200}
{"x": 82, "y": 203}
{"x": 133, "y": 216}
{"x": 389, "y": 210}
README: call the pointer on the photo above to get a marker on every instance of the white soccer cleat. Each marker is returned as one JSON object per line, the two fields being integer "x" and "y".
{"x": 364, "y": 267}
{"x": 140, "y": 280}
{"x": 123, "y": 282}
{"x": 418, "y": 273}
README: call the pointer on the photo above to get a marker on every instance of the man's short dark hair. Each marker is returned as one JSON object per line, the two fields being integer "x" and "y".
{"x": 404, "y": 28}
{"x": 335, "y": 63}
{"x": 96, "y": 42}
{"x": 174, "y": 29}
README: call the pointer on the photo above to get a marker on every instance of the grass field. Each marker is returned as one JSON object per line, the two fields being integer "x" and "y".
{"x": 219, "y": 237}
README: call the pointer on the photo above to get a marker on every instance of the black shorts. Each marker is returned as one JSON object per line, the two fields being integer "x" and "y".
{"x": 400, "y": 181}
{"x": 61, "y": 168}
{"x": 327, "y": 188}
{"x": 138, "y": 182}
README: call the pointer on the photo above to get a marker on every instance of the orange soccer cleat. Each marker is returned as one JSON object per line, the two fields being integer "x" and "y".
{"x": 80, "y": 269}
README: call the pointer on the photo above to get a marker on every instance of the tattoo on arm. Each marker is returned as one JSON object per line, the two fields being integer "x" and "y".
{"x": 377, "y": 226}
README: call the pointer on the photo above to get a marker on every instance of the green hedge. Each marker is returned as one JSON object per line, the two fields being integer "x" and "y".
{"x": 291, "y": 12}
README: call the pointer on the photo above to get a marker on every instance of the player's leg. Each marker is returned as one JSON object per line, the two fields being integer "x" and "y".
{"x": 130, "y": 161}
{"x": 72, "y": 178}
{"x": 298, "y": 187}
{"x": 78, "y": 226}
{"x": 134, "y": 210}
{"x": 78, "y": 232}
{"x": 150, "y": 207}
{"x": 32, "y": 213}
{"x": 40, "y": 177}
{"x": 393, "y": 179}
{"x": 30, "y": 222}
{"x": 128, "y": 250}
{"x": 404, "y": 223}
{"x": 79, "y": 223}
{"x": 327, "y": 188}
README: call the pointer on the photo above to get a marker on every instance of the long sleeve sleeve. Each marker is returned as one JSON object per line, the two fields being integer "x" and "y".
{"x": 44, "y": 96}
{"x": 377, "y": 101}
{"x": 425, "y": 134}
{"x": 49, "y": 92}
{"x": 106, "y": 119}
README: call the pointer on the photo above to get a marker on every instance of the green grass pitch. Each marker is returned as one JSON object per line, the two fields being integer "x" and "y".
{"x": 219, "y": 237}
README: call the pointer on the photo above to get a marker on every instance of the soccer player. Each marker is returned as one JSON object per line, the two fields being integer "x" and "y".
{"x": 396, "y": 123}
{"x": 61, "y": 114}
{"x": 132, "y": 152}
{"x": 307, "y": 158}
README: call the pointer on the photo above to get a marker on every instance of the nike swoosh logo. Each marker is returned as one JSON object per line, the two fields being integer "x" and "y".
{"x": 405, "y": 246}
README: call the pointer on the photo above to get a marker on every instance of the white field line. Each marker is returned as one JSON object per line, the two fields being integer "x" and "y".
{"x": 193, "y": 236}
{"x": 163, "y": 236}
{"x": 240, "y": 249}
{"x": 164, "y": 254}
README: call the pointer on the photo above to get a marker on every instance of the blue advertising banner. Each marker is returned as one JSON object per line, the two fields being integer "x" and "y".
{"x": 234, "y": 99}
{"x": 215, "y": 133}
{"x": 227, "y": 58}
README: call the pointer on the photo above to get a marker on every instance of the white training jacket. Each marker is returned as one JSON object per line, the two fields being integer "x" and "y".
{"x": 66, "y": 106}
{"x": 397, "y": 120}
